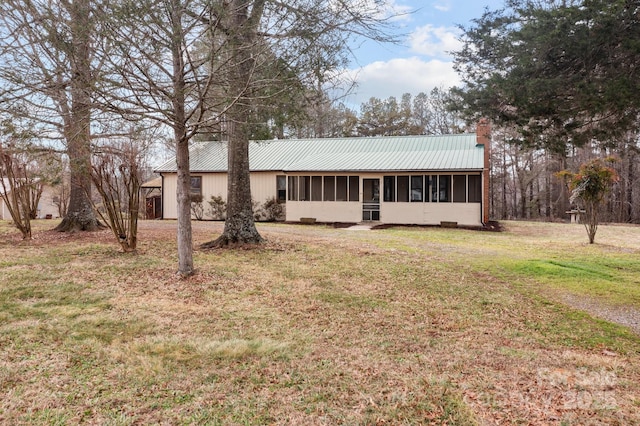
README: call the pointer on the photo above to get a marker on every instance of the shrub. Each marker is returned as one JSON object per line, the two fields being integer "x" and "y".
{"x": 271, "y": 211}
{"x": 197, "y": 209}
{"x": 217, "y": 208}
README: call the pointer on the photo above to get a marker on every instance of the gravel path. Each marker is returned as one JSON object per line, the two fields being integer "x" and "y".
{"x": 624, "y": 315}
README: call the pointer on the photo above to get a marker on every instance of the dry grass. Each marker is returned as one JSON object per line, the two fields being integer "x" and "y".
{"x": 318, "y": 326}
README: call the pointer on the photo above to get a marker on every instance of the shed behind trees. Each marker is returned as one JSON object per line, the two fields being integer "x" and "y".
{"x": 152, "y": 195}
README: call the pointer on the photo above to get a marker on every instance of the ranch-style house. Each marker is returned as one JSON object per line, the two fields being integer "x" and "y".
{"x": 423, "y": 180}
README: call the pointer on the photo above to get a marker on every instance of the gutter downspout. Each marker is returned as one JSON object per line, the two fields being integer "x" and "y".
{"x": 162, "y": 195}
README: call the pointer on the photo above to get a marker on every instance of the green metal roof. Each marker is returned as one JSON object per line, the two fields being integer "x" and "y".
{"x": 393, "y": 153}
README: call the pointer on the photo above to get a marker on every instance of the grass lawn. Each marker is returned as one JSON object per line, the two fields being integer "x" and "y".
{"x": 321, "y": 326}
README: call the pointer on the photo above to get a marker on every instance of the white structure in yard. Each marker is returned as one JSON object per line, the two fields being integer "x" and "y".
{"x": 47, "y": 207}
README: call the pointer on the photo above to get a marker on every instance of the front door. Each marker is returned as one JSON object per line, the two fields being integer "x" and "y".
{"x": 370, "y": 199}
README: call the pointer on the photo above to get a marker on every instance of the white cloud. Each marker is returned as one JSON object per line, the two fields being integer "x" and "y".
{"x": 399, "y": 76}
{"x": 443, "y": 6}
{"x": 434, "y": 41}
{"x": 430, "y": 65}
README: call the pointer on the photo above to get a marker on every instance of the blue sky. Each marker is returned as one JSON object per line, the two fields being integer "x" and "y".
{"x": 420, "y": 62}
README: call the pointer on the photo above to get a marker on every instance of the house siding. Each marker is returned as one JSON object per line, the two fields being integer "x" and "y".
{"x": 263, "y": 186}
{"x": 4, "y": 213}
{"x": 46, "y": 206}
{"x": 465, "y": 214}
{"x": 331, "y": 211}
{"x": 169, "y": 203}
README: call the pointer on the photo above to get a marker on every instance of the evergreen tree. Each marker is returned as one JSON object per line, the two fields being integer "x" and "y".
{"x": 562, "y": 72}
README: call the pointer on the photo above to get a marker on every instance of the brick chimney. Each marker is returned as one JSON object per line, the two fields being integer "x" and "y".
{"x": 483, "y": 137}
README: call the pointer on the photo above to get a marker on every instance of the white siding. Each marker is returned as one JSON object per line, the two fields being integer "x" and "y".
{"x": 263, "y": 186}
{"x": 4, "y": 212}
{"x": 330, "y": 211}
{"x": 45, "y": 206}
{"x": 213, "y": 184}
{"x": 169, "y": 203}
{"x": 467, "y": 214}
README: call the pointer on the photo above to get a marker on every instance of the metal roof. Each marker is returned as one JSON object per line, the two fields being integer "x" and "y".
{"x": 393, "y": 153}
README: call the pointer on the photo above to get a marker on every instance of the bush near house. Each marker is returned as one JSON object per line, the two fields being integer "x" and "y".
{"x": 270, "y": 211}
{"x": 217, "y": 208}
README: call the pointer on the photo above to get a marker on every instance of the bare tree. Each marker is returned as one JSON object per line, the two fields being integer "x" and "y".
{"x": 19, "y": 190}
{"x": 47, "y": 74}
{"x": 62, "y": 187}
{"x": 117, "y": 176}
{"x": 164, "y": 60}
{"x": 434, "y": 114}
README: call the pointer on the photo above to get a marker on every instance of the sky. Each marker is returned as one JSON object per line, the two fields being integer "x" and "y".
{"x": 428, "y": 30}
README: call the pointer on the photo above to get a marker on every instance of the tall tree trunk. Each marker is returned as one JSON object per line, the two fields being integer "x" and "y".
{"x": 548, "y": 188}
{"x": 183, "y": 191}
{"x": 183, "y": 197}
{"x": 630, "y": 183}
{"x": 505, "y": 174}
{"x": 239, "y": 226}
{"x": 80, "y": 215}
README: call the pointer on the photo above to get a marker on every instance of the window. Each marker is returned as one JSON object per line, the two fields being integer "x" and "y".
{"x": 196, "y": 189}
{"x": 281, "y": 188}
{"x": 417, "y": 183}
{"x": 341, "y": 188}
{"x": 293, "y": 188}
{"x": 444, "y": 188}
{"x": 436, "y": 188}
{"x": 460, "y": 188}
{"x": 316, "y": 188}
{"x": 304, "y": 193}
{"x": 475, "y": 189}
{"x": 354, "y": 188}
{"x": 389, "y": 189}
{"x": 329, "y": 188}
{"x": 403, "y": 189}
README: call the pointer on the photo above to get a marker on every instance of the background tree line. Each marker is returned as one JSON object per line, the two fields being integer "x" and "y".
{"x": 322, "y": 117}
{"x": 525, "y": 184}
